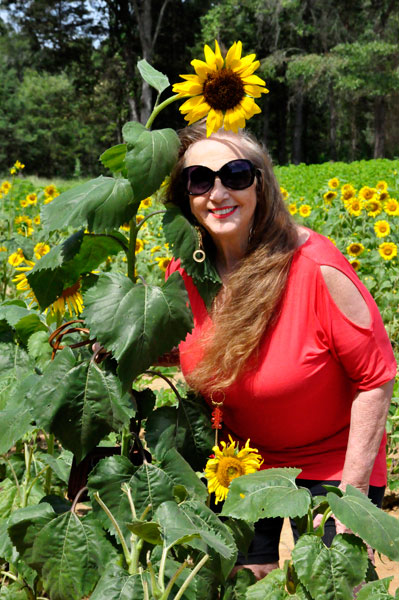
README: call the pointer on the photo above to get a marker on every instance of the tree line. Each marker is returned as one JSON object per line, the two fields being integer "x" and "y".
{"x": 69, "y": 77}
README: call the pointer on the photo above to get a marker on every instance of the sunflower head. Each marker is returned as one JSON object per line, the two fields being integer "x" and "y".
{"x": 222, "y": 89}
{"x": 382, "y": 228}
{"x": 388, "y": 250}
{"x": 227, "y": 463}
{"x": 355, "y": 249}
{"x": 305, "y": 210}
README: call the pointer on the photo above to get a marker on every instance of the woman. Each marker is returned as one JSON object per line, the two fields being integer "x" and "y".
{"x": 293, "y": 343}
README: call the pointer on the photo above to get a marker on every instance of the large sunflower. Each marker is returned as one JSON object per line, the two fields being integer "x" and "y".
{"x": 222, "y": 89}
{"x": 229, "y": 463}
{"x": 70, "y": 299}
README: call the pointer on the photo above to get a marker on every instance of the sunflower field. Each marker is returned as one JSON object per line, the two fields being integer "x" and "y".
{"x": 103, "y": 479}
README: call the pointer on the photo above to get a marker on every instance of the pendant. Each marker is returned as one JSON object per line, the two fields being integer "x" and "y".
{"x": 217, "y": 416}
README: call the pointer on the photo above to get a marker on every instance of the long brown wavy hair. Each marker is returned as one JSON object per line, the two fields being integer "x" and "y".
{"x": 248, "y": 304}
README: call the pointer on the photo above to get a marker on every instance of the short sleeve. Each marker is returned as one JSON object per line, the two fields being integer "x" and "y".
{"x": 365, "y": 352}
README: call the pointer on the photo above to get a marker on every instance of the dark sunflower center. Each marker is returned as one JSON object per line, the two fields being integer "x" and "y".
{"x": 223, "y": 90}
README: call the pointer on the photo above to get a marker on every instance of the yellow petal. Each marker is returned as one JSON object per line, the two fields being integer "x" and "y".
{"x": 214, "y": 121}
{"x": 233, "y": 55}
{"x": 213, "y": 59}
{"x": 246, "y": 63}
{"x": 253, "y": 80}
{"x": 187, "y": 88}
{"x": 197, "y": 113}
{"x": 191, "y": 77}
{"x": 191, "y": 103}
{"x": 249, "y": 107}
{"x": 234, "y": 119}
{"x": 201, "y": 68}
{"x": 255, "y": 90}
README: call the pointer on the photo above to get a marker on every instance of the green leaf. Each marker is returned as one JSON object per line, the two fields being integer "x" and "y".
{"x": 376, "y": 590}
{"x": 16, "y": 418}
{"x": 147, "y": 530}
{"x": 8, "y": 552}
{"x": 155, "y": 78}
{"x": 13, "y": 592}
{"x": 186, "y": 428}
{"x": 267, "y": 493}
{"x": 64, "y": 264}
{"x": 379, "y": 529}
{"x": 107, "y": 478}
{"x": 60, "y": 465}
{"x": 38, "y": 347}
{"x": 271, "y": 587}
{"x": 182, "y": 474}
{"x": 183, "y": 240}
{"x": 79, "y": 403}
{"x": 150, "y": 157}
{"x": 9, "y": 498}
{"x": 25, "y": 524}
{"x": 176, "y": 527}
{"x": 71, "y": 553}
{"x": 117, "y": 584}
{"x": 103, "y": 204}
{"x": 330, "y": 573}
{"x": 243, "y": 533}
{"x": 114, "y": 158}
{"x": 136, "y": 322}
{"x": 25, "y": 322}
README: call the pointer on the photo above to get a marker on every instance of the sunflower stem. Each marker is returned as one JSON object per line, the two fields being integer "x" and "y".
{"x": 156, "y": 212}
{"x": 191, "y": 577}
{"x": 126, "y": 437}
{"x": 162, "y": 564}
{"x": 131, "y": 253}
{"x": 159, "y": 108}
{"x": 115, "y": 523}
{"x": 50, "y": 451}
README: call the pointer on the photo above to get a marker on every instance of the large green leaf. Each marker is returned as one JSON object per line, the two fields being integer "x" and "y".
{"x": 117, "y": 584}
{"x": 272, "y": 587}
{"x": 79, "y": 403}
{"x": 149, "y": 158}
{"x": 16, "y": 418}
{"x": 14, "y": 591}
{"x": 330, "y": 573}
{"x": 25, "y": 322}
{"x": 25, "y": 524}
{"x": 376, "y": 590}
{"x": 114, "y": 158}
{"x": 64, "y": 264}
{"x": 267, "y": 493}
{"x": 176, "y": 527}
{"x": 155, "y": 78}
{"x": 376, "y": 527}
{"x": 149, "y": 531}
{"x": 183, "y": 239}
{"x": 136, "y": 322}
{"x": 103, "y": 204}
{"x": 187, "y": 428}
{"x": 106, "y": 479}
{"x": 71, "y": 553}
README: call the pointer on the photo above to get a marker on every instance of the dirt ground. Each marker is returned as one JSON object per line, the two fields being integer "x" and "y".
{"x": 385, "y": 567}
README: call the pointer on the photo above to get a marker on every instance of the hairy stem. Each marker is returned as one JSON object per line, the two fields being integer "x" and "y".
{"x": 191, "y": 577}
{"x": 156, "y": 212}
{"x": 159, "y": 108}
{"x": 162, "y": 564}
{"x": 115, "y": 523}
{"x": 171, "y": 583}
{"x": 50, "y": 450}
{"x": 131, "y": 253}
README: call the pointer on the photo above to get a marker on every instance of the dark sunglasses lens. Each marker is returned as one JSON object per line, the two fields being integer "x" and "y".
{"x": 199, "y": 179}
{"x": 238, "y": 174}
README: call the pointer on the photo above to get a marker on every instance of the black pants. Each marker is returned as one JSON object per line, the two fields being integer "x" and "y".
{"x": 264, "y": 546}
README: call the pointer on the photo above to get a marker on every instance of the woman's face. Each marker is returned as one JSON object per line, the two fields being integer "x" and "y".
{"x": 225, "y": 213}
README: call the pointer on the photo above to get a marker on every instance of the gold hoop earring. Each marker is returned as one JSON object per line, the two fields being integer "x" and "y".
{"x": 199, "y": 255}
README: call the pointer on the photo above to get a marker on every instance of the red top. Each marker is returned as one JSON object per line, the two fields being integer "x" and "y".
{"x": 295, "y": 407}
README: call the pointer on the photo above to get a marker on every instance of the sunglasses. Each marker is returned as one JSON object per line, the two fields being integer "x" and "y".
{"x": 236, "y": 174}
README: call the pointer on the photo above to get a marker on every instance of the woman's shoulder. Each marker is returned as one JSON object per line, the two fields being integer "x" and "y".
{"x": 320, "y": 250}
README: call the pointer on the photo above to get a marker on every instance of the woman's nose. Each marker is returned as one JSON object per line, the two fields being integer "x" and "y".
{"x": 218, "y": 191}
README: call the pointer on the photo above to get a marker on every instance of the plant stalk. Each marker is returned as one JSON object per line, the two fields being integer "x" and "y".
{"x": 50, "y": 450}
{"x": 159, "y": 108}
{"x": 171, "y": 583}
{"x": 131, "y": 253}
{"x": 191, "y": 577}
{"x": 162, "y": 564}
{"x": 115, "y": 523}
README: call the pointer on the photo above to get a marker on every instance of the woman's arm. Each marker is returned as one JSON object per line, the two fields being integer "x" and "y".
{"x": 368, "y": 418}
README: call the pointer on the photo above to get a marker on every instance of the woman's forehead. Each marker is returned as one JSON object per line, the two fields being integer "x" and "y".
{"x": 214, "y": 152}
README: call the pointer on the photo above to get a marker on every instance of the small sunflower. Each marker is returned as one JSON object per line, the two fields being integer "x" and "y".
{"x": 373, "y": 207}
{"x": 356, "y": 264}
{"x": 227, "y": 464}
{"x": 347, "y": 192}
{"x": 355, "y": 249}
{"x": 16, "y": 258}
{"x": 222, "y": 89}
{"x": 367, "y": 193}
{"x": 284, "y": 193}
{"x": 329, "y": 196}
{"x": 146, "y": 203}
{"x": 332, "y": 240}
{"x": 139, "y": 245}
{"x": 391, "y": 207}
{"x": 155, "y": 249}
{"x": 24, "y": 203}
{"x": 36, "y": 220}
{"x": 305, "y": 210}
{"x": 354, "y": 207}
{"x": 5, "y": 187}
{"x": 382, "y": 186}
{"x": 388, "y": 250}
{"x": 292, "y": 208}
{"x": 333, "y": 183}
{"x": 19, "y": 165}
{"x": 25, "y": 231}
{"x": 163, "y": 262}
{"x": 382, "y": 228}
{"x": 384, "y": 196}
{"x": 50, "y": 191}
{"x": 32, "y": 199}
{"x": 41, "y": 249}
